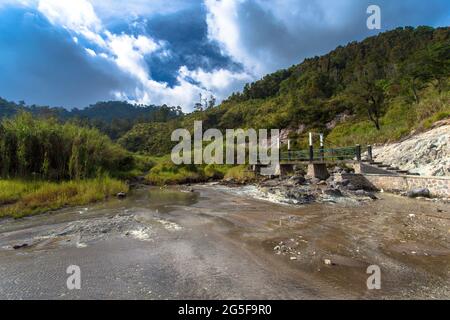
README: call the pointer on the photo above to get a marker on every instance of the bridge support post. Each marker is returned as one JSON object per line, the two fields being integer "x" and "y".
{"x": 369, "y": 153}
{"x": 321, "y": 150}
{"x": 358, "y": 153}
{"x": 318, "y": 171}
{"x": 311, "y": 148}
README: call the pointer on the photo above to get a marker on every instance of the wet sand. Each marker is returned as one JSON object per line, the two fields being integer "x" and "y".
{"x": 217, "y": 243}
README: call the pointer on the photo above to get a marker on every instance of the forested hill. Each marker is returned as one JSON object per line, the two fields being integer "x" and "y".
{"x": 114, "y": 118}
{"x": 369, "y": 91}
{"x": 365, "y": 92}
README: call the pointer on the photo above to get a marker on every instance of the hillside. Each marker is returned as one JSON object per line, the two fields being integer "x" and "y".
{"x": 376, "y": 90}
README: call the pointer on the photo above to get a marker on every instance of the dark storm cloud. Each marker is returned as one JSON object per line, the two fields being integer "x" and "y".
{"x": 276, "y": 38}
{"x": 43, "y": 65}
{"x": 186, "y": 34}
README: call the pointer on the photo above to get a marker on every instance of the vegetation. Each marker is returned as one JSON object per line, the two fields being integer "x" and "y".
{"x": 45, "y": 149}
{"x": 166, "y": 172}
{"x": 240, "y": 174}
{"x": 38, "y": 156}
{"x": 19, "y": 198}
{"x": 149, "y": 138}
{"x": 113, "y": 118}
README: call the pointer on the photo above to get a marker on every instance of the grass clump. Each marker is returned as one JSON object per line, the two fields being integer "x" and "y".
{"x": 240, "y": 174}
{"x": 19, "y": 198}
{"x": 167, "y": 172}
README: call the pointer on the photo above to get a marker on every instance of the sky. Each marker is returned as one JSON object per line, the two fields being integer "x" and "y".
{"x": 73, "y": 53}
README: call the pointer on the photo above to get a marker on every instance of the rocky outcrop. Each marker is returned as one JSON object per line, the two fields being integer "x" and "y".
{"x": 299, "y": 190}
{"x": 427, "y": 154}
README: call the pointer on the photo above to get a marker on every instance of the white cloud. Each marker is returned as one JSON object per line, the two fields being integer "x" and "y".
{"x": 223, "y": 27}
{"x": 268, "y": 35}
{"x": 91, "y": 52}
{"x": 219, "y": 82}
{"x": 128, "y": 52}
{"x": 76, "y": 15}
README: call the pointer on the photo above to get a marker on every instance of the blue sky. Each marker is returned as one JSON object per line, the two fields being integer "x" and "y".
{"x": 73, "y": 53}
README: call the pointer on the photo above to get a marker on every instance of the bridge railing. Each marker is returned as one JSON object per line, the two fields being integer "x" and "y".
{"x": 329, "y": 154}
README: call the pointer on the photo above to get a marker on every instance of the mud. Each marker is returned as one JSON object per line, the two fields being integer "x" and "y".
{"x": 223, "y": 243}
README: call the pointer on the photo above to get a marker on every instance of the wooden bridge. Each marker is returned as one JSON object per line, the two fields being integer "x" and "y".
{"x": 317, "y": 159}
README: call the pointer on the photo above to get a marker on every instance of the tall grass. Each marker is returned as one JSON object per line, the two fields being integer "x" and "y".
{"x": 19, "y": 198}
{"x": 46, "y": 149}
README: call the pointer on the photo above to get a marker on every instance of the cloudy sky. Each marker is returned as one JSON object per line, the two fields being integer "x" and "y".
{"x": 73, "y": 53}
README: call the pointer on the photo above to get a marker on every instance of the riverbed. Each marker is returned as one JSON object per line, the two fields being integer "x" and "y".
{"x": 216, "y": 242}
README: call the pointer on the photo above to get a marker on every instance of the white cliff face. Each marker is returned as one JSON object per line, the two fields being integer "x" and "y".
{"x": 427, "y": 154}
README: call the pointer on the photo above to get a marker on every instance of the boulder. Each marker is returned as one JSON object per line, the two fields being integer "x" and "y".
{"x": 363, "y": 193}
{"x": 351, "y": 187}
{"x": 419, "y": 192}
{"x": 333, "y": 192}
{"x": 337, "y": 169}
{"x": 344, "y": 182}
{"x": 20, "y": 246}
{"x": 298, "y": 179}
{"x": 121, "y": 195}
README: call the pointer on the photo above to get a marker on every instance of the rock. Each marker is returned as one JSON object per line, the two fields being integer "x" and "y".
{"x": 337, "y": 169}
{"x": 333, "y": 192}
{"x": 362, "y": 193}
{"x": 298, "y": 179}
{"x": 20, "y": 246}
{"x": 351, "y": 187}
{"x": 420, "y": 192}
{"x": 327, "y": 262}
{"x": 344, "y": 182}
{"x": 293, "y": 258}
{"x": 121, "y": 195}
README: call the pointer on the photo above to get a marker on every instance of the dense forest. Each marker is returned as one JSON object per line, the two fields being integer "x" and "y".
{"x": 113, "y": 118}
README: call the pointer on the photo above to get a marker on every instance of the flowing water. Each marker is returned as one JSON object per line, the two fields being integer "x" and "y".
{"x": 228, "y": 243}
